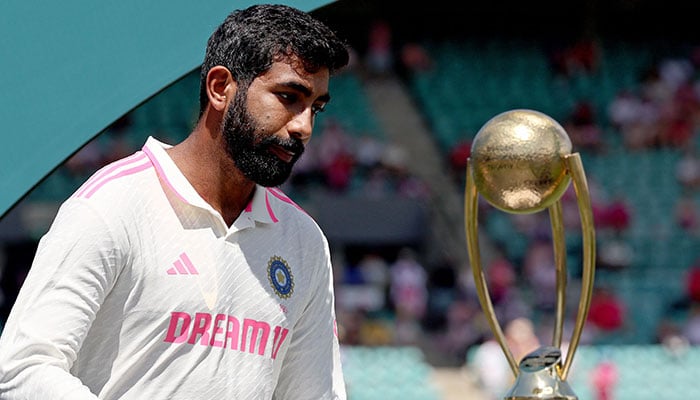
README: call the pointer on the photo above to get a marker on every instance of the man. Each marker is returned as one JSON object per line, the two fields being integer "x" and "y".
{"x": 181, "y": 272}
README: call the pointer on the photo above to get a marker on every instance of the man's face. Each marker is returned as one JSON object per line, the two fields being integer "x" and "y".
{"x": 250, "y": 147}
{"x": 268, "y": 124}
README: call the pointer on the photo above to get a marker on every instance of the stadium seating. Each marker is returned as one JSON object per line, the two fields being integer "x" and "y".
{"x": 387, "y": 373}
{"x": 641, "y": 371}
{"x": 644, "y": 371}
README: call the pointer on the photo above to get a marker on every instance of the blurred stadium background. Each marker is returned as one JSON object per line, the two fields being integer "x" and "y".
{"x": 384, "y": 178}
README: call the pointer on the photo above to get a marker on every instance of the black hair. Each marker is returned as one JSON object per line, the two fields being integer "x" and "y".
{"x": 250, "y": 40}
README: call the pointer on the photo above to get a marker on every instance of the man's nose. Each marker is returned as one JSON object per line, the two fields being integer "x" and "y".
{"x": 301, "y": 126}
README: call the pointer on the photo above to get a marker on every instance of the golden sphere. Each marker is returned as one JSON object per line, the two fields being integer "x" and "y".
{"x": 518, "y": 161}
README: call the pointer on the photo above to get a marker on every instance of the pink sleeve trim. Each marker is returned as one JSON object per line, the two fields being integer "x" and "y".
{"x": 110, "y": 173}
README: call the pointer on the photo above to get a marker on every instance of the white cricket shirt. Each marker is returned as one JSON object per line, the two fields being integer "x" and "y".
{"x": 140, "y": 291}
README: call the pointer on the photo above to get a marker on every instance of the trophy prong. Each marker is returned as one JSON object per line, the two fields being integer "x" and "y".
{"x": 471, "y": 225}
{"x": 575, "y": 169}
{"x": 559, "y": 242}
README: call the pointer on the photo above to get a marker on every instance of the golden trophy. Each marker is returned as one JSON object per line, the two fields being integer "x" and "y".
{"x": 521, "y": 162}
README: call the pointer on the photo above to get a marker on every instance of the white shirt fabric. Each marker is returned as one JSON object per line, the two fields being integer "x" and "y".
{"x": 140, "y": 291}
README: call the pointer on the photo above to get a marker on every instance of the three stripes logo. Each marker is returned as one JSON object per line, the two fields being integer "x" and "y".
{"x": 183, "y": 266}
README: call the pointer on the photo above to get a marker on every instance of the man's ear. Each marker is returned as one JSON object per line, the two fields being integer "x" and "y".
{"x": 220, "y": 87}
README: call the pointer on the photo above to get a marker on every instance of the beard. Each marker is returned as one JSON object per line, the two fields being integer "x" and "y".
{"x": 248, "y": 146}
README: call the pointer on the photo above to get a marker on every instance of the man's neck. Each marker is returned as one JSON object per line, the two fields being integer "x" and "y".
{"x": 204, "y": 162}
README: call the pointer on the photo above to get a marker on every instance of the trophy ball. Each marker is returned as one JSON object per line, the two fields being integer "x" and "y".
{"x": 518, "y": 161}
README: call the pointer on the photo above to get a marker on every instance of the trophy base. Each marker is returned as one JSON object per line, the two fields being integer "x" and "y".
{"x": 540, "y": 398}
{"x": 562, "y": 391}
{"x": 538, "y": 378}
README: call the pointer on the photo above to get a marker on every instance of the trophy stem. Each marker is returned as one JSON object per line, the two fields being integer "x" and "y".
{"x": 559, "y": 243}
{"x": 575, "y": 167}
{"x": 471, "y": 226}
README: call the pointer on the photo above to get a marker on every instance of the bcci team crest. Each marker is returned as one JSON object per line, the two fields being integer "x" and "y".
{"x": 280, "y": 277}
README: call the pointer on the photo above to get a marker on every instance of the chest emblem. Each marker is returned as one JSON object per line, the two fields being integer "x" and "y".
{"x": 280, "y": 276}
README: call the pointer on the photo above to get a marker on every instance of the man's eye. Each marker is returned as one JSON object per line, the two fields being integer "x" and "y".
{"x": 288, "y": 97}
{"x": 318, "y": 109}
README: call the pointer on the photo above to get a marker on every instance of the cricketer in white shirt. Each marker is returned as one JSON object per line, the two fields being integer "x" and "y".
{"x": 140, "y": 291}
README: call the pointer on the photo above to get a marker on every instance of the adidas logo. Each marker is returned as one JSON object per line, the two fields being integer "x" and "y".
{"x": 183, "y": 266}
